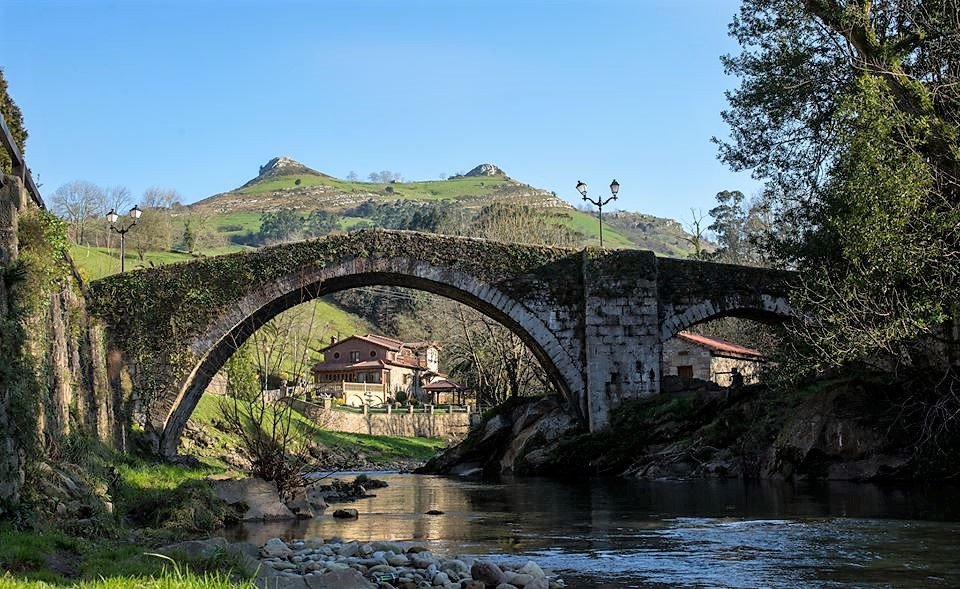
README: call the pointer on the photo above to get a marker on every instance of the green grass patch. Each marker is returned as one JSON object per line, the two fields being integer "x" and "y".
{"x": 376, "y": 449}
{"x": 589, "y": 226}
{"x": 50, "y": 558}
{"x": 97, "y": 262}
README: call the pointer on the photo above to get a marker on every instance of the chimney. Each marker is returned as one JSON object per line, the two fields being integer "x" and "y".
{"x": 333, "y": 339}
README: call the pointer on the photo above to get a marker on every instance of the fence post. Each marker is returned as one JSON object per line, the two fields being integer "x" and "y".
{"x": 366, "y": 409}
{"x": 389, "y": 409}
{"x": 431, "y": 409}
{"x": 327, "y": 404}
{"x": 410, "y": 409}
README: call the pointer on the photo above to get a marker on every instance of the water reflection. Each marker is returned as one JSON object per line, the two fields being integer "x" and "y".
{"x": 616, "y": 533}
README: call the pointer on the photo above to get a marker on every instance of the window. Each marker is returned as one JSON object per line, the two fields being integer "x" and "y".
{"x": 373, "y": 377}
{"x": 336, "y": 355}
{"x": 373, "y": 353}
{"x": 355, "y": 356}
{"x": 685, "y": 371}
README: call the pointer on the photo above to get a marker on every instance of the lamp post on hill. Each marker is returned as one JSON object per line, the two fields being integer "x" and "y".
{"x": 614, "y": 189}
{"x": 112, "y": 216}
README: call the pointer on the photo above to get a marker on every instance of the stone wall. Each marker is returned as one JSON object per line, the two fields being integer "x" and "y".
{"x": 53, "y": 381}
{"x": 447, "y": 426}
{"x": 677, "y": 352}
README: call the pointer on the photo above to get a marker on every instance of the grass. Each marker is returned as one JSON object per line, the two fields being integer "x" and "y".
{"x": 376, "y": 449}
{"x": 98, "y": 262}
{"x": 587, "y": 225}
{"x": 51, "y": 558}
{"x": 185, "y": 580}
{"x": 237, "y": 222}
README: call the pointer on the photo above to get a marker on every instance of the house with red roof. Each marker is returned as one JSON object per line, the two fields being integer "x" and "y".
{"x": 373, "y": 368}
{"x": 691, "y": 355}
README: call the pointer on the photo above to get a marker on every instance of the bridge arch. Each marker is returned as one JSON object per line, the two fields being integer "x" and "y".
{"x": 763, "y": 308}
{"x": 239, "y": 321}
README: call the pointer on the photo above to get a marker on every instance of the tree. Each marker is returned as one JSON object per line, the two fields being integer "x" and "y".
{"x": 280, "y": 226}
{"x": 81, "y": 204}
{"x": 189, "y": 237}
{"x": 695, "y": 234}
{"x": 320, "y": 223}
{"x": 849, "y": 110}
{"x": 352, "y": 176}
{"x": 14, "y": 119}
{"x": 384, "y": 177}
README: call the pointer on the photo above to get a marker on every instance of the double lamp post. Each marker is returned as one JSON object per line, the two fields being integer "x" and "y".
{"x": 614, "y": 189}
{"x": 112, "y": 216}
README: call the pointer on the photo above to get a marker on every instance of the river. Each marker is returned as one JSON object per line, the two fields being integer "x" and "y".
{"x": 622, "y": 533}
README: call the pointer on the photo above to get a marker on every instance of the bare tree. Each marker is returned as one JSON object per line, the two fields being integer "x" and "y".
{"x": 278, "y": 446}
{"x": 696, "y": 232}
{"x": 80, "y": 203}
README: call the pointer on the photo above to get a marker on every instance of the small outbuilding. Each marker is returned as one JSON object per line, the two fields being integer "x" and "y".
{"x": 691, "y": 355}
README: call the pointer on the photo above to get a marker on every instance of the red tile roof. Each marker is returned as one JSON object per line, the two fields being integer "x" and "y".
{"x": 383, "y": 341}
{"x": 720, "y": 346}
{"x": 442, "y": 385}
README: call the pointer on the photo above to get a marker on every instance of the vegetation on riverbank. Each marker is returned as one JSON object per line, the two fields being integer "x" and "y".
{"x": 41, "y": 558}
{"x": 349, "y": 450}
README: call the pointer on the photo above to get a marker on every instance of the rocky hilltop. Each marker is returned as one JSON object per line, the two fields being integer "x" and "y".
{"x": 487, "y": 170}
{"x": 282, "y": 166}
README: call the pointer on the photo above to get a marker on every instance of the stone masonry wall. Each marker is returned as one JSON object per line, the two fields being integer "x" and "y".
{"x": 447, "y": 426}
{"x": 54, "y": 382}
{"x": 621, "y": 327}
{"x": 677, "y": 352}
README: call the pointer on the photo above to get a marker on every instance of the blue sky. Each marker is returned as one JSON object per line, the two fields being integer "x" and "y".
{"x": 196, "y": 95}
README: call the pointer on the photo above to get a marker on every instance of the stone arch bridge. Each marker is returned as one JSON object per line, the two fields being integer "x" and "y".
{"x": 595, "y": 319}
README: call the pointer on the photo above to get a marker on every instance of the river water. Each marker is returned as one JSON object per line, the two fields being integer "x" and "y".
{"x": 622, "y": 533}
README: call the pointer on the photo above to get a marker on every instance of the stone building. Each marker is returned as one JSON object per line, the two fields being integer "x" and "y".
{"x": 372, "y": 368}
{"x": 690, "y": 355}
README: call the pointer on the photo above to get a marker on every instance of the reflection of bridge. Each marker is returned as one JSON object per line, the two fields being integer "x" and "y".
{"x": 594, "y": 319}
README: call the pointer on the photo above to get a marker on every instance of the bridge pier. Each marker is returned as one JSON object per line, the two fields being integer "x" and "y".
{"x": 621, "y": 331}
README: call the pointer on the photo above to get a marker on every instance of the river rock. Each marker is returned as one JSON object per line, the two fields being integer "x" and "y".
{"x": 300, "y": 506}
{"x": 196, "y": 549}
{"x": 346, "y": 579}
{"x": 347, "y": 513}
{"x": 475, "y": 584}
{"x": 275, "y": 548}
{"x": 533, "y": 569}
{"x": 260, "y": 497}
{"x": 488, "y": 572}
{"x": 540, "y": 583}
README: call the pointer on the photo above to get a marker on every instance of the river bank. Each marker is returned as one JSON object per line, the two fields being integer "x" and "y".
{"x": 840, "y": 429}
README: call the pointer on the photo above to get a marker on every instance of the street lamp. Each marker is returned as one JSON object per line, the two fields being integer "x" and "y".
{"x": 614, "y": 189}
{"x": 112, "y": 216}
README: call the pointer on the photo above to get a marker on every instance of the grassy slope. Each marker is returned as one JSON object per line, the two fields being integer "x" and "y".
{"x": 377, "y": 449}
{"x": 589, "y": 226}
{"x": 425, "y": 190}
{"x": 97, "y": 262}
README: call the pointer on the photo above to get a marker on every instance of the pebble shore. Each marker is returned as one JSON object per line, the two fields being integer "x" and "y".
{"x": 318, "y": 564}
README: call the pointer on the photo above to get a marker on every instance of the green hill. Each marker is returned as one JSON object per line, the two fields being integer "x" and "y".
{"x": 285, "y": 183}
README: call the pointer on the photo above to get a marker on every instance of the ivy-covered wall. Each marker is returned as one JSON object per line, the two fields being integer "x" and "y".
{"x": 53, "y": 381}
